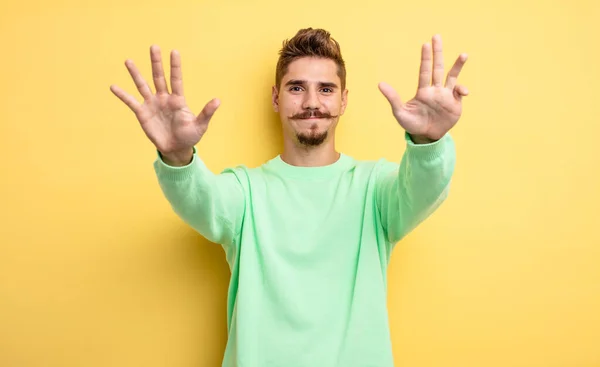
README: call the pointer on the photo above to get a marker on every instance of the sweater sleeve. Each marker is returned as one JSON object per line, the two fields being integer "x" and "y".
{"x": 408, "y": 193}
{"x": 212, "y": 204}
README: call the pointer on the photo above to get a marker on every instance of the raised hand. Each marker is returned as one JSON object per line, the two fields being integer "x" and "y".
{"x": 165, "y": 117}
{"x": 436, "y": 108}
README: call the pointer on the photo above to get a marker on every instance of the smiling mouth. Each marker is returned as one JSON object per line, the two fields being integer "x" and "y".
{"x": 311, "y": 116}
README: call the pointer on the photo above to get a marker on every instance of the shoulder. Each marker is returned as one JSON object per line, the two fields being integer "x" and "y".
{"x": 376, "y": 165}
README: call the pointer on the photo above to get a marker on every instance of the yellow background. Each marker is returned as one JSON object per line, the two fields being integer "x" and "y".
{"x": 96, "y": 270}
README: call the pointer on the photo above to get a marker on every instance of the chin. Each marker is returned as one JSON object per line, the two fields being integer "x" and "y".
{"x": 311, "y": 138}
{"x": 312, "y": 130}
{"x": 310, "y": 133}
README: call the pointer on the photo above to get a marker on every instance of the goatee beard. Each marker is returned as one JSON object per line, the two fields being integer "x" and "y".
{"x": 312, "y": 140}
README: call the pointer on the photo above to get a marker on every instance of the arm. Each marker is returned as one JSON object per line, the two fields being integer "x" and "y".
{"x": 212, "y": 204}
{"x": 409, "y": 193}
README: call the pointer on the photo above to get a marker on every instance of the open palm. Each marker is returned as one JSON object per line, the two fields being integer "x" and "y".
{"x": 436, "y": 108}
{"x": 165, "y": 117}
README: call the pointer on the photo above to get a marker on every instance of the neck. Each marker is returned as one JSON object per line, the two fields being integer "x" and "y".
{"x": 296, "y": 154}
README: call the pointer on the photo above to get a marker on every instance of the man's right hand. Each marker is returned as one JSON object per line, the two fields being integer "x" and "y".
{"x": 165, "y": 117}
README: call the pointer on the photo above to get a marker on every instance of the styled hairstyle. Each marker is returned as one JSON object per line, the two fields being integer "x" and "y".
{"x": 310, "y": 42}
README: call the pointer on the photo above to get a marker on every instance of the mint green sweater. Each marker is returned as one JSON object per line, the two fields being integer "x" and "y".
{"x": 308, "y": 249}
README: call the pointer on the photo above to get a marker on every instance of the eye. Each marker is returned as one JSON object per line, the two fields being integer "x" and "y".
{"x": 295, "y": 88}
{"x": 328, "y": 90}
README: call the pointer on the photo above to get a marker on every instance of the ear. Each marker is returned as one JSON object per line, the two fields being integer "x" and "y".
{"x": 275, "y": 98}
{"x": 344, "y": 101}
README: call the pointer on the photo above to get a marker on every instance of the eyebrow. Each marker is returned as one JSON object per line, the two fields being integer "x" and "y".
{"x": 303, "y": 82}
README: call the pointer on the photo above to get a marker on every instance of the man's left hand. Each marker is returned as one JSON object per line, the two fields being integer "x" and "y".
{"x": 436, "y": 108}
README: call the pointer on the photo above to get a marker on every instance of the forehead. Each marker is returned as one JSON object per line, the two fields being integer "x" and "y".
{"x": 312, "y": 69}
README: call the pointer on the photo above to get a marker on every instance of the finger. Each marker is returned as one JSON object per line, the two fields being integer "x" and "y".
{"x": 139, "y": 81}
{"x": 455, "y": 71}
{"x": 158, "y": 73}
{"x": 438, "y": 61}
{"x": 128, "y": 99}
{"x": 176, "y": 75}
{"x": 208, "y": 111}
{"x": 425, "y": 69}
{"x": 391, "y": 95}
{"x": 460, "y": 91}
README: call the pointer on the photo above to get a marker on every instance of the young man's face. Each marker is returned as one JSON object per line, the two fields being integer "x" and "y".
{"x": 310, "y": 100}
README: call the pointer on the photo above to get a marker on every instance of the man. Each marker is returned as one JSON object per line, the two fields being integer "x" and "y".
{"x": 308, "y": 235}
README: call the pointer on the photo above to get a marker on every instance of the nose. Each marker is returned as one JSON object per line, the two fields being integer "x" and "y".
{"x": 311, "y": 100}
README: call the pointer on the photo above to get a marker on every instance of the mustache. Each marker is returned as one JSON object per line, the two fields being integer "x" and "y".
{"x": 309, "y": 114}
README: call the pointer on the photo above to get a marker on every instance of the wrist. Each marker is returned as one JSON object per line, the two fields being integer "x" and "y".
{"x": 421, "y": 139}
{"x": 178, "y": 159}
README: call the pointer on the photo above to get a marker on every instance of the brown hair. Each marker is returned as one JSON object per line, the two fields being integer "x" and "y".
{"x": 310, "y": 42}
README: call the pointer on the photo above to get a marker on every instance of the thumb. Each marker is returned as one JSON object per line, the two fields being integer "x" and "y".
{"x": 391, "y": 95}
{"x": 460, "y": 91}
{"x": 208, "y": 111}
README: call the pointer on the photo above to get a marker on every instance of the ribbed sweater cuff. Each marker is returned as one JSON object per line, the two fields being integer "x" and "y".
{"x": 427, "y": 151}
{"x": 174, "y": 173}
